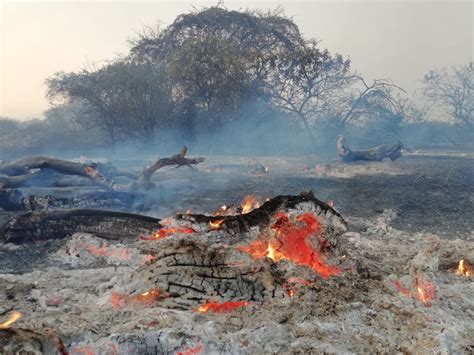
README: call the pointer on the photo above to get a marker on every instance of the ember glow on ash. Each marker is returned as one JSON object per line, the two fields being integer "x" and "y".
{"x": 14, "y": 316}
{"x": 298, "y": 280}
{"x": 290, "y": 243}
{"x": 403, "y": 290}
{"x": 224, "y": 307}
{"x": 214, "y": 225}
{"x": 167, "y": 231}
{"x": 147, "y": 298}
{"x": 425, "y": 291}
{"x": 197, "y": 349}
{"x": 249, "y": 203}
{"x": 463, "y": 269}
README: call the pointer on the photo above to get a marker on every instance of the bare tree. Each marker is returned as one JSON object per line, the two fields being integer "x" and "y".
{"x": 452, "y": 92}
{"x": 305, "y": 81}
{"x": 369, "y": 100}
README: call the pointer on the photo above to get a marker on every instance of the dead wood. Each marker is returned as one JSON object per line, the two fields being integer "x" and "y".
{"x": 45, "y": 225}
{"x": 207, "y": 264}
{"x": 21, "y": 172}
{"x": 242, "y": 223}
{"x": 144, "y": 181}
{"x": 377, "y": 153}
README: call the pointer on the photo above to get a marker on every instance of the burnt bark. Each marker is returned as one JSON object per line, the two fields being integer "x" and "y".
{"x": 45, "y": 225}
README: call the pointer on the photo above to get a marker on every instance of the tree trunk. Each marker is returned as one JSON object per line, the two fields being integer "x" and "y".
{"x": 377, "y": 153}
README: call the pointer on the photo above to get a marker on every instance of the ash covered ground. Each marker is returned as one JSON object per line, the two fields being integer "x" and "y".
{"x": 409, "y": 223}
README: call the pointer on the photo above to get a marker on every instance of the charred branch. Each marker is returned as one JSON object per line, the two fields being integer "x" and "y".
{"x": 179, "y": 160}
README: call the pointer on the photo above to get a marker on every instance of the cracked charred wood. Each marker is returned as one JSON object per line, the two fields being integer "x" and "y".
{"x": 208, "y": 265}
{"x": 377, "y": 153}
{"x": 45, "y": 225}
{"x": 193, "y": 272}
{"x": 144, "y": 181}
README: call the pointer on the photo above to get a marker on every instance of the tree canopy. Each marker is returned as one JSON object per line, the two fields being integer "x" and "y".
{"x": 207, "y": 65}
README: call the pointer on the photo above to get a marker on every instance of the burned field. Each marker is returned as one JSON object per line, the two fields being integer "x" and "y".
{"x": 235, "y": 255}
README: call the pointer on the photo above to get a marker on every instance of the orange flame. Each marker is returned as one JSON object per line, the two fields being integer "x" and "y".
{"x": 425, "y": 290}
{"x": 14, "y": 316}
{"x": 290, "y": 243}
{"x": 213, "y": 306}
{"x": 148, "y": 298}
{"x": 249, "y": 203}
{"x": 213, "y": 225}
{"x": 167, "y": 231}
{"x": 463, "y": 269}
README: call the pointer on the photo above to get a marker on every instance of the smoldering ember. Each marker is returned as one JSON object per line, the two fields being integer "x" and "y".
{"x": 312, "y": 210}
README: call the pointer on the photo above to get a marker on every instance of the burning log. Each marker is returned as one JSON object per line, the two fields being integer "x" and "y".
{"x": 377, "y": 153}
{"x": 45, "y": 225}
{"x": 210, "y": 265}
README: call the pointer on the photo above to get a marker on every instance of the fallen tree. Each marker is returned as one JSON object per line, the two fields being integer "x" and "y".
{"x": 21, "y": 173}
{"x": 377, "y": 153}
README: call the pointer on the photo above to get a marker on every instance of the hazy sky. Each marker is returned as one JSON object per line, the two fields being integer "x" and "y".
{"x": 391, "y": 39}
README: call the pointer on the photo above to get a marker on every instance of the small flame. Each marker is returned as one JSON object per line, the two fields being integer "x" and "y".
{"x": 463, "y": 269}
{"x": 249, "y": 203}
{"x": 14, "y": 316}
{"x": 291, "y": 292}
{"x": 425, "y": 290}
{"x": 214, "y": 225}
{"x": 213, "y": 306}
{"x": 147, "y": 298}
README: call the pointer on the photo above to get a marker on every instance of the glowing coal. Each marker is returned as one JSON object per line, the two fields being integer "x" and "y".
{"x": 290, "y": 242}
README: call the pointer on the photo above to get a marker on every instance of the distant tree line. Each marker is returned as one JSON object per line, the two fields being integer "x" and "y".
{"x": 201, "y": 71}
{"x": 216, "y": 69}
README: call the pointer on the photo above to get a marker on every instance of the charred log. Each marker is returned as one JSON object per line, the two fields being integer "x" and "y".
{"x": 377, "y": 153}
{"x": 45, "y": 225}
{"x": 242, "y": 223}
{"x": 208, "y": 264}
